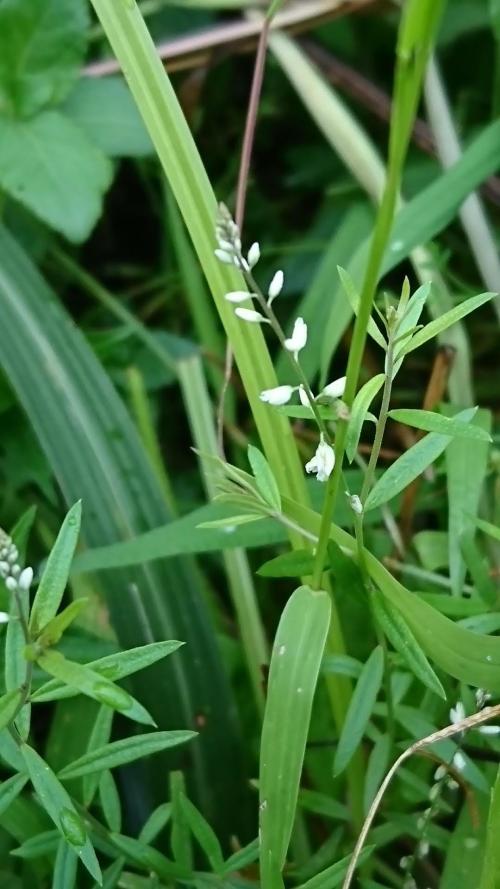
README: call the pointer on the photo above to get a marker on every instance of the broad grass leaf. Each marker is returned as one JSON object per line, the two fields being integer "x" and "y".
{"x": 55, "y": 576}
{"x": 146, "y": 602}
{"x": 433, "y": 422}
{"x": 465, "y": 861}
{"x": 359, "y": 411}
{"x": 120, "y": 752}
{"x": 58, "y": 805}
{"x": 184, "y": 535}
{"x": 411, "y": 464}
{"x": 49, "y": 166}
{"x": 360, "y": 710}
{"x": 295, "y": 665}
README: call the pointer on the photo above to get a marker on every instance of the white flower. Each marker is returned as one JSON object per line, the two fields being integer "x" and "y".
{"x": 457, "y": 713}
{"x": 277, "y": 396}
{"x": 276, "y": 286}
{"x": 4, "y": 617}
{"x": 253, "y": 255}
{"x": 323, "y": 461}
{"x": 298, "y": 338}
{"x": 304, "y": 398}
{"x": 489, "y": 729}
{"x": 238, "y": 296}
{"x": 25, "y": 579}
{"x": 251, "y": 315}
{"x": 335, "y": 389}
{"x": 440, "y": 772}
{"x": 11, "y": 584}
{"x": 224, "y": 256}
{"x": 459, "y": 761}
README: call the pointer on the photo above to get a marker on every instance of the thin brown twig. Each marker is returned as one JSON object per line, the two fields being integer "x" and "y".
{"x": 456, "y": 728}
{"x": 241, "y": 194}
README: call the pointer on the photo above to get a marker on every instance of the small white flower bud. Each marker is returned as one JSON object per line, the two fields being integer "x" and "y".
{"x": 238, "y": 296}
{"x": 277, "y": 396}
{"x": 4, "y": 617}
{"x": 13, "y": 554}
{"x": 25, "y": 578}
{"x": 250, "y": 315}
{"x": 276, "y": 286}
{"x": 336, "y": 389}
{"x": 253, "y": 255}
{"x": 489, "y": 729}
{"x": 459, "y": 761}
{"x": 355, "y": 504}
{"x": 11, "y": 584}
{"x": 4, "y": 568}
{"x": 304, "y": 398}
{"x": 298, "y": 338}
{"x": 224, "y": 256}
{"x": 440, "y": 772}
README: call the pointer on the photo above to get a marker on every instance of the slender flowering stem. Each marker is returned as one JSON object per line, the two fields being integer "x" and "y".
{"x": 381, "y": 422}
{"x": 268, "y": 311}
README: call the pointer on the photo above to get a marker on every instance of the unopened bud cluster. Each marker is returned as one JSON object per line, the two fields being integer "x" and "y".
{"x": 10, "y": 571}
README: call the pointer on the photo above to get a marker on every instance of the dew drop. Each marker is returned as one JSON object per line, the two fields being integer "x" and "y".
{"x": 281, "y": 650}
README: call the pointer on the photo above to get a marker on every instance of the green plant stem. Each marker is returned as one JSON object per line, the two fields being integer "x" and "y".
{"x": 381, "y": 422}
{"x": 415, "y": 36}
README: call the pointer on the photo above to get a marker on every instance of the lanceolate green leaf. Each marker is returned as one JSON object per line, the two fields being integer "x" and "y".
{"x": 57, "y": 803}
{"x": 94, "y": 686}
{"x": 411, "y": 464}
{"x": 55, "y": 576}
{"x": 360, "y": 709}
{"x": 9, "y": 789}
{"x": 432, "y": 422}
{"x": 359, "y": 411}
{"x": 295, "y": 664}
{"x": 109, "y": 471}
{"x": 113, "y": 666}
{"x": 120, "y": 752}
{"x": 434, "y": 328}
{"x": 398, "y": 632}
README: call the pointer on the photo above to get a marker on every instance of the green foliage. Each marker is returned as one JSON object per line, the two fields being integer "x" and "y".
{"x": 117, "y": 356}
